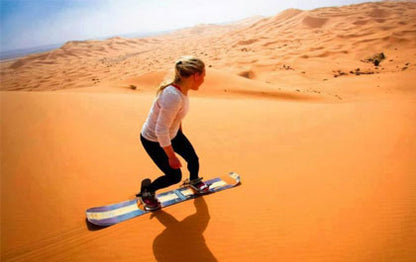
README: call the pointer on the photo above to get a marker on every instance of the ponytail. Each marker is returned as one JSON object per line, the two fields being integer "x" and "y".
{"x": 184, "y": 67}
{"x": 163, "y": 85}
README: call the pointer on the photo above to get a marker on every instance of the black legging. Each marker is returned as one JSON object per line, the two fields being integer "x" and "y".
{"x": 184, "y": 148}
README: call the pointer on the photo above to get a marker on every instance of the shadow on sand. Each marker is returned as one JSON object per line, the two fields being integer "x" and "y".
{"x": 92, "y": 227}
{"x": 183, "y": 240}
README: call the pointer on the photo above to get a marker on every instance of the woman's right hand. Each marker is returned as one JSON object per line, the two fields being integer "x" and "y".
{"x": 174, "y": 162}
{"x": 173, "y": 159}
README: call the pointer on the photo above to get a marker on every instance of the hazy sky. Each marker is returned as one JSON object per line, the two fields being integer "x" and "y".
{"x": 31, "y": 23}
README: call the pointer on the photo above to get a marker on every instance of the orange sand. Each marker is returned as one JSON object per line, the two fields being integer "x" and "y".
{"x": 327, "y": 163}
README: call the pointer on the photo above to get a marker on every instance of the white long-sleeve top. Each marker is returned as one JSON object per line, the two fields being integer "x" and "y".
{"x": 166, "y": 114}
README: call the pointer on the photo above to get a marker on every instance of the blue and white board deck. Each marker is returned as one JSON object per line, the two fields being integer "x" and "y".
{"x": 116, "y": 213}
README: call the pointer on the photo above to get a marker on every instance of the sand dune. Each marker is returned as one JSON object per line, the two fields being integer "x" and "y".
{"x": 322, "y": 137}
{"x": 336, "y": 38}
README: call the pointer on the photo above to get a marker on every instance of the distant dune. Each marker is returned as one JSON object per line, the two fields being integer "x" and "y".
{"x": 264, "y": 49}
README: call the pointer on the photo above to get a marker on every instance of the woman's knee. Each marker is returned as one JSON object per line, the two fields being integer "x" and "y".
{"x": 175, "y": 176}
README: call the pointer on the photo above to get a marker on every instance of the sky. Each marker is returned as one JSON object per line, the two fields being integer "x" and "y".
{"x": 33, "y": 23}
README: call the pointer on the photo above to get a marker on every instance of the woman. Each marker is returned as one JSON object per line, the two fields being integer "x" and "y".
{"x": 162, "y": 135}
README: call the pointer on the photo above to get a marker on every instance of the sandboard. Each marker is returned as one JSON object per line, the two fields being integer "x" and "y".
{"x": 115, "y": 213}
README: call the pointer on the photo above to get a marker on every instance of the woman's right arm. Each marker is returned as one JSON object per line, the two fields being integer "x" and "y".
{"x": 170, "y": 106}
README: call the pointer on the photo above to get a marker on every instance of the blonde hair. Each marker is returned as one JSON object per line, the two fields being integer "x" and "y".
{"x": 184, "y": 67}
